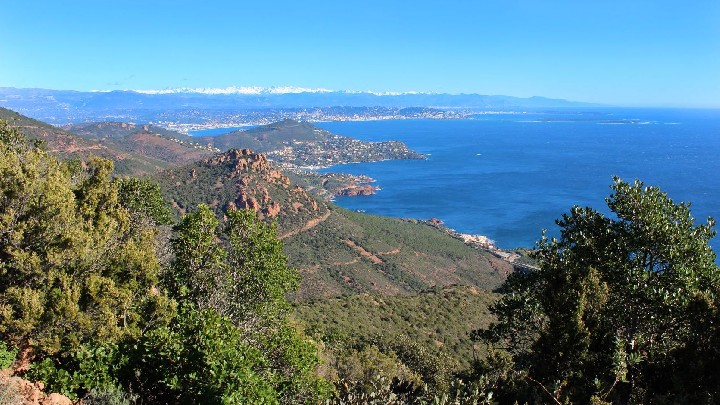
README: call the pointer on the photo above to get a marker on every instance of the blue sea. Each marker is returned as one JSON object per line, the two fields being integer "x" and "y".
{"x": 509, "y": 176}
{"x": 217, "y": 131}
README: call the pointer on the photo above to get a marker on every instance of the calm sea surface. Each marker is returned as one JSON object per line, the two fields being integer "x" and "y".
{"x": 508, "y": 176}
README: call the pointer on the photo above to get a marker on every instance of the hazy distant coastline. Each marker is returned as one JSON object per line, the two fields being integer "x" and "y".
{"x": 191, "y": 109}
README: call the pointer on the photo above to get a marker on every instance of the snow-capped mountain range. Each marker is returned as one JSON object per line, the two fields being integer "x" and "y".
{"x": 215, "y": 104}
{"x": 259, "y": 90}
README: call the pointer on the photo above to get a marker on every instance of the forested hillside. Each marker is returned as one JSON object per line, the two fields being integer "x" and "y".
{"x": 107, "y": 296}
{"x": 68, "y": 145}
{"x": 439, "y": 320}
{"x": 91, "y": 304}
{"x": 147, "y": 140}
{"x": 337, "y": 251}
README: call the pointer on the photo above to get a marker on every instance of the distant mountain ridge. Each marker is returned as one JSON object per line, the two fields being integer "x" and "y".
{"x": 78, "y": 106}
{"x": 272, "y": 97}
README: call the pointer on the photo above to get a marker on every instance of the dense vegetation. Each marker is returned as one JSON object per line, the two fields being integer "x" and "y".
{"x": 621, "y": 310}
{"x": 439, "y": 320}
{"x": 93, "y": 309}
{"x": 103, "y": 299}
{"x": 352, "y": 253}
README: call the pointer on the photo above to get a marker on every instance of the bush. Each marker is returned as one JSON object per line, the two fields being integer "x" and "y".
{"x": 7, "y": 355}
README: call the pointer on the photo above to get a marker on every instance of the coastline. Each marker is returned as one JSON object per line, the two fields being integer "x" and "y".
{"x": 473, "y": 240}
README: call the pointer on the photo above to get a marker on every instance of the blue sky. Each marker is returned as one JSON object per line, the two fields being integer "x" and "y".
{"x": 637, "y": 53}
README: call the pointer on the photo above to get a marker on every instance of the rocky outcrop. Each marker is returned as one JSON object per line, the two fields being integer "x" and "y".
{"x": 247, "y": 202}
{"x": 15, "y": 390}
{"x": 243, "y": 179}
{"x": 272, "y": 210}
{"x": 357, "y": 190}
{"x": 244, "y": 161}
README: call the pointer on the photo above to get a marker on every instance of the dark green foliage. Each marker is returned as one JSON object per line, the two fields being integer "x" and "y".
{"x": 74, "y": 267}
{"x": 198, "y": 267}
{"x": 88, "y": 367}
{"x": 144, "y": 199}
{"x": 200, "y": 358}
{"x": 245, "y": 279}
{"x": 7, "y": 355}
{"x": 261, "y": 278}
{"x": 79, "y": 292}
{"x": 618, "y": 309}
{"x": 240, "y": 275}
{"x": 439, "y": 320}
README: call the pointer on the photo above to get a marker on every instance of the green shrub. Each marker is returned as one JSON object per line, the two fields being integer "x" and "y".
{"x": 7, "y": 355}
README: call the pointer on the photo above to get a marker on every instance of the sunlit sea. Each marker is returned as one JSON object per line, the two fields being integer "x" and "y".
{"x": 509, "y": 176}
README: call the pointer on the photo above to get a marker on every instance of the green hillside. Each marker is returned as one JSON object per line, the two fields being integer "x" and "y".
{"x": 337, "y": 251}
{"x": 112, "y": 129}
{"x": 301, "y": 144}
{"x": 353, "y": 253}
{"x": 65, "y": 145}
{"x": 438, "y": 319}
{"x": 150, "y": 141}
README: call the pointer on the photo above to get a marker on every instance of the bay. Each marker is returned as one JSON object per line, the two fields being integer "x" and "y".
{"x": 218, "y": 131}
{"x": 509, "y": 176}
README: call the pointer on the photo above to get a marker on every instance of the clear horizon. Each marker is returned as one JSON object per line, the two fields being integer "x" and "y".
{"x": 635, "y": 54}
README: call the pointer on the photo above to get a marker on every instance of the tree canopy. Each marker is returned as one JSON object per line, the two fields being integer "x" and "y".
{"x": 74, "y": 267}
{"x": 614, "y": 308}
{"x": 87, "y": 300}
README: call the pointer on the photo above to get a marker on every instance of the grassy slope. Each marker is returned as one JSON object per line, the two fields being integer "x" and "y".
{"x": 352, "y": 253}
{"x": 438, "y": 319}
